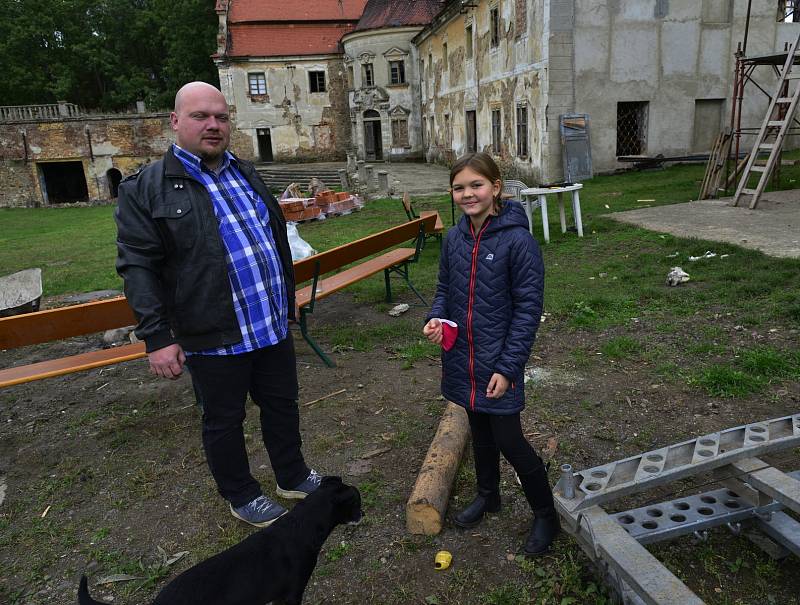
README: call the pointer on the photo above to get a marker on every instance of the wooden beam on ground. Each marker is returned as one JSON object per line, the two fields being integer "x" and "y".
{"x": 427, "y": 504}
{"x": 771, "y": 481}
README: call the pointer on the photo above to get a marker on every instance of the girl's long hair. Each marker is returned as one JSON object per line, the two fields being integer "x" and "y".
{"x": 483, "y": 164}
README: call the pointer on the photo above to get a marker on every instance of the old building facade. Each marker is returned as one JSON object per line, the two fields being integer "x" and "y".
{"x": 51, "y": 154}
{"x": 653, "y": 76}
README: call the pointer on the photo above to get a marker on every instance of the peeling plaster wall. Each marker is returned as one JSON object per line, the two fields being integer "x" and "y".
{"x": 669, "y": 53}
{"x": 99, "y": 142}
{"x": 506, "y": 76}
{"x": 304, "y": 126}
{"x": 379, "y": 47}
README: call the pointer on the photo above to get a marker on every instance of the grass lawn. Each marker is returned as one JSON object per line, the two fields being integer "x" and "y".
{"x": 654, "y": 354}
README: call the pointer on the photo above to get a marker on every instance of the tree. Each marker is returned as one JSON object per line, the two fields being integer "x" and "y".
{"x": 105, "y": 54}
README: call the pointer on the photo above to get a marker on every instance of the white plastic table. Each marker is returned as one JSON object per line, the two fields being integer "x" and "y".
{"x": 541, "y": 193}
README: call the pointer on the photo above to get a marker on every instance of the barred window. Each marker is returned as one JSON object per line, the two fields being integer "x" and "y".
{"x": 468, "y": 40}
{"x": 400, "y": 132}
{"x": 397, "y": 72}
{"x": 496, "y": 130}
{"x": 368, "y": 75}
{"x": 632, "y": 128}
{"x": 316, "y": 81}
{"x": 257, "y": 84}
{"x": 522, "y": 131}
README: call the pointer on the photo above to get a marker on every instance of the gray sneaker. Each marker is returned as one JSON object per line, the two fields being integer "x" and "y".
{"x": 260, "y": 512}
{"x": 308, "y": 485}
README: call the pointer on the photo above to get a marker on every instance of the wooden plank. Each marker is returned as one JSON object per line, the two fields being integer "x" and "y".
{"x": 345, "y": 254}
{"x": 645, "y": 574}
{"x": 65, "y": 322}
{"x": 438, "y": 226}
{"x": 348, "y": 277}
{"x": 427, "y": 503}
{"x": 67, "y": 365}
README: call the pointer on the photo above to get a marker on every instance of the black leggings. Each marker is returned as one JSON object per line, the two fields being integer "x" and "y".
{"x": 494, "y": 434}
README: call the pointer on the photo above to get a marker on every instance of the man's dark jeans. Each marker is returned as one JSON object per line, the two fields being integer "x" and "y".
{"x": 221, "y": 384}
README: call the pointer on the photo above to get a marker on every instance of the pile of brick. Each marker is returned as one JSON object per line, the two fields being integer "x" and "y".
{"x": 325, "y": 203}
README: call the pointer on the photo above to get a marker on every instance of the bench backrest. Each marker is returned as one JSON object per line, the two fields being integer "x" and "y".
{"x": 65, "y": 322}
{"x": 98, "y": 316}
{"x": 343, "y": 255}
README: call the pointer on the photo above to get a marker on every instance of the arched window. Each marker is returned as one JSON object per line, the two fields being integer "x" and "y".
{"x": 113, "y": 177}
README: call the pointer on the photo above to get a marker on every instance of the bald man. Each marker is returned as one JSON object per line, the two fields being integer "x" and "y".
{"x": 203, "y": 252}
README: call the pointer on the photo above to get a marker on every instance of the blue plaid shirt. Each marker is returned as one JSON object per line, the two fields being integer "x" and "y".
{"x": 254, "y": 267}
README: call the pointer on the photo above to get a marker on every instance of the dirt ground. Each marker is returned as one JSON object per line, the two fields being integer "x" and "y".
{"x": 105, "y": 473}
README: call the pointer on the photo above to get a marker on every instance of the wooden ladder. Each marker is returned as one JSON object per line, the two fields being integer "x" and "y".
{"x": 773, "y": 131}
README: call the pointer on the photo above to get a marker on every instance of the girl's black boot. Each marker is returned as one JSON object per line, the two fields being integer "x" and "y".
{"x": 544, "y": 530}
{"x": 545, "y": 526}
{"x": 474, "y": 513}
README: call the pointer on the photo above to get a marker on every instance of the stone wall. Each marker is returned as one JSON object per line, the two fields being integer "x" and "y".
{"x": 99, "y": 143}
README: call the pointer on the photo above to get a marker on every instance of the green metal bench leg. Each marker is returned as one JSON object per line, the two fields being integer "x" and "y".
{"x": 388, "y": 281}
{"x": 311, "y": 342}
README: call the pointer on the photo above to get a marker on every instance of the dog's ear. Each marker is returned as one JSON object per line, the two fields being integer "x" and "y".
{"x": 331, "y": 480}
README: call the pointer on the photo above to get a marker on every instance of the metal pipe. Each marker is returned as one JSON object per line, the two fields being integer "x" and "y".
{"x": 568, "y": 480}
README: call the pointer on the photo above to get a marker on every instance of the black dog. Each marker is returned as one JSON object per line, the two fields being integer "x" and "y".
{"x": 273, "y": 564}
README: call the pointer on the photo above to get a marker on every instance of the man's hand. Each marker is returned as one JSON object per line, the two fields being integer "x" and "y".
{"x": 497, "y": 387}
{"x": 433, "y": 331}
{"x": 167, "y": 362}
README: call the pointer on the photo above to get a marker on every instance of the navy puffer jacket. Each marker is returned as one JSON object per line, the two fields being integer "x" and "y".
{"x": 491, "y": 283}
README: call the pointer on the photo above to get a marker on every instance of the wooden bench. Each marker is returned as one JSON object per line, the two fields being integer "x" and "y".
{"x": 66, "y": 322}
{"x": 89, "y": 318}
{"x": 438, "y": 227}
{"x": 395, "y": 260}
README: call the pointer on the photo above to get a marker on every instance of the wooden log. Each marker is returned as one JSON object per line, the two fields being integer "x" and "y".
{"x": 427, "y": 504}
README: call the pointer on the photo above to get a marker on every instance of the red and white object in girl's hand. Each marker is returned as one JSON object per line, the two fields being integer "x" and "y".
{"x": 449, "y": 333}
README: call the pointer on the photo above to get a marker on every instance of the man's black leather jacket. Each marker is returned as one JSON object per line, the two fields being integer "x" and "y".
{"x": 171, "y": 256}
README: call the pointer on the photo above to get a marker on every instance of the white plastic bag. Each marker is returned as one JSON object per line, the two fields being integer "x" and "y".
{"x": 300, "y": 248}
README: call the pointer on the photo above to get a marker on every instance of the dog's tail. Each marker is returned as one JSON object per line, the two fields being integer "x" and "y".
{"x": 83, "y": 594}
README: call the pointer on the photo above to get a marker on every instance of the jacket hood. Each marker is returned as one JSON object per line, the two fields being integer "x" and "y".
{"x": 512, "y": 214}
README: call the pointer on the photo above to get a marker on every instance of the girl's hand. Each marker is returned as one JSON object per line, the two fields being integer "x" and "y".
{"x": 497, "y": 387}
{"x": 433, "y": 331}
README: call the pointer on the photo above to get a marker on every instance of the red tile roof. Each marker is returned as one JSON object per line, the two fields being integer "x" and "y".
{"x": 286, "y": 39}
{"x": 244, "y": 11}
{"x": 390, "y": 13}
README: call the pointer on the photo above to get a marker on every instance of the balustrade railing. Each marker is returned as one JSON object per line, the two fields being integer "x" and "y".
{"x": 52, "y": 111}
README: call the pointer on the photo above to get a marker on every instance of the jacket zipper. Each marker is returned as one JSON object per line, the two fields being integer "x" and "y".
{"x": 472, "y": 279}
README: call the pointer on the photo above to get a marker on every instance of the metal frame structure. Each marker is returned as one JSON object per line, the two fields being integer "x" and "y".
{"x": 743, "y": 74}
{"x": 751, "y": 493}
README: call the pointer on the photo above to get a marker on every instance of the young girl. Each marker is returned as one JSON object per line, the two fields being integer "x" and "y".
{"x": 491, "y": 282}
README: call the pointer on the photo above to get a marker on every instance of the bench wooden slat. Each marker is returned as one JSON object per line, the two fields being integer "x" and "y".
{"x": 438, "y": 226}
{"x": 329, "y": 285}
{"x": 73, "y": 363}
{"x": 65, "y": 322}
{"x": 348, "y": 253}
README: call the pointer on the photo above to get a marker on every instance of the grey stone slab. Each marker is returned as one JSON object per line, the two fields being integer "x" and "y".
{"x": 773, "y": 227}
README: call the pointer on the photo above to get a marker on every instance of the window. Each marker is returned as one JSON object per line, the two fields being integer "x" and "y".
{"x": 397, "y": 72}
{"x": 257, "y": 84}
{"x": 432, "y": 130}
{"x": 367, "y": 75}
{"x": 444, "y": 56}
{"x": 448, "y": 133}
{"x": 632, "y": 128}
{"x": 468, "y": 40}
{"x": 472, "y": 132}
{"x": 717, "y": 11}
{"x": 522, "y": 131}
{"x": 350, "y": 77}
{"x": 707, "y": 123}
{"x": 494, "y": 26}
{"x": 789, "y": 11}
{"x": 400, "y": 132}
{"x": 496, "y": 130}
{"x": 520, "y": 18}
{"x": 316, "y": 81}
